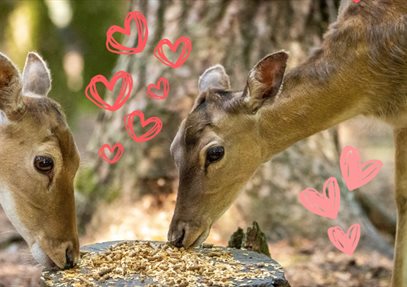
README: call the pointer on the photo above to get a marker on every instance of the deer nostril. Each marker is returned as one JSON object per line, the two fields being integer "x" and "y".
{"x": 178, "y": 242}
{"x": 69, "y": 257}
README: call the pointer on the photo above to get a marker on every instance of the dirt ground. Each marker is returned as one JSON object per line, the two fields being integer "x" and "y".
{"x": 306, "y": 263}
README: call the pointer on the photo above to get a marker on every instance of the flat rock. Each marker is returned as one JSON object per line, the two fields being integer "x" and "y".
{"x": 248, "y": 259}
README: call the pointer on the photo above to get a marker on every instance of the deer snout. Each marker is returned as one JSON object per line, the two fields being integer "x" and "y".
{"x": 66, "y": 255}
{"x": 70, "y": 258}
{"x": 176, "y": 234}
{"x": 56, "y": 255}
{"x": 187, "y": 233}
{"x": 71, "y": 253}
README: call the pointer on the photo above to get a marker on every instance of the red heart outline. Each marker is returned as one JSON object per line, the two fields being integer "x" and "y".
{"x": 186, "y": 50}
{"x": 117, "y": 150}
{"x": 346, "y": 243}
{"x": 148, "y": 135}
{"x": 325, "y": 204}
{"x": 125, "y": 90}
{"x": 113, "y": 46}
{"x": 354, "y": 172}
{"x": 157, "y": 86}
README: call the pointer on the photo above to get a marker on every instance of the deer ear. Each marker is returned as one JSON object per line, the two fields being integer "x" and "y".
{"x": 265, "y": 79}
{"x": 36, "y": 76}
{"x": 11, "y": 102}
{"x": 214, "y": 78}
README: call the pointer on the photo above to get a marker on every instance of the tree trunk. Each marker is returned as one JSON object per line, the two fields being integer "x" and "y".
{"x": 237, "y": 34}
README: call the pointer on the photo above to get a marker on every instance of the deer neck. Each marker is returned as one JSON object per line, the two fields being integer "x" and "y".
{"x": 310, "y": 101}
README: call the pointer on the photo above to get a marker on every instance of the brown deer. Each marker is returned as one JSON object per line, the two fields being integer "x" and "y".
{"x": 39, "y": 160}
{"x": 360, "y": 68}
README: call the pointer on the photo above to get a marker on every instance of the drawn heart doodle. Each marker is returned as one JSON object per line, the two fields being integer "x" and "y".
{"x": 92, "y": 93}
{"x": 117, "y": 152}
{"x": 348, "y": 242}
{"x": 150, "y": 133}
{"x": 182, "y": 57}
{"x": 112, "y": 45}
{"x": 157, "y": 87}
{"x": 324, "y": 204}
{"x": 354, "y": 172}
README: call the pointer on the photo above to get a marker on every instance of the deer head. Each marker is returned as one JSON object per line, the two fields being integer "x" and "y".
{"x": 217, "y": 149}
{"x": 39, "y": 161}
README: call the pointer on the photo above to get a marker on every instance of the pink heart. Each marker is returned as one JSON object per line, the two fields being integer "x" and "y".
{"x": 324, "y": 204}
{"x": 354, "y": 172}
{"x": 157, "y": 86}
{"x": 112, "y": 45}
{"x": 183, "y": 56}
{"x": 117, "y": 150}
{"x": 124, "y": 93}
{"x": 348, "y": 242}
{"x": 153, "y": 130}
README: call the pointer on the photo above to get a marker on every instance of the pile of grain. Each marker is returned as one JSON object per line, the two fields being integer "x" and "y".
{"x": 158, "y": 264}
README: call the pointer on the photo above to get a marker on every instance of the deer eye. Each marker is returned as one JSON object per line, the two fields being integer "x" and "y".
{"x": 43, "y": 164}
{"x": 214, "y": 154}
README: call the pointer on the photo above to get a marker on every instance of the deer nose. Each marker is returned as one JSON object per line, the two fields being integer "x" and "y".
{"x": 176, "y": 235}
{"x": 177, "y": 242}
{"x": 69, "y": 258}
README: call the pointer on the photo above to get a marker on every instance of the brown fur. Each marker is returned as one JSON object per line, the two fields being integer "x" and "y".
{"x": 360, "y": 68}
{"x": 40, "y": 205}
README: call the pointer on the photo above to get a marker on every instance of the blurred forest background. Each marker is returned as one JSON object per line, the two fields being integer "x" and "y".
{"x": 134, "y": 199}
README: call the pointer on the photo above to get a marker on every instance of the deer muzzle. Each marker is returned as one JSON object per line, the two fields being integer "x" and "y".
{"x": 187, "y": 233}
{"x": 56, "y": 255}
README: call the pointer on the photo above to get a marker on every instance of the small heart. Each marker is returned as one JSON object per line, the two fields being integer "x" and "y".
{"x": 150, "y": 133}
{"x": 183, "y": 56}
{"x": 354, "y": 172}
{"x": 112, "y": 45}
{"x": 324, "y": 204}
{"x": 117, "y": 150}
{"x": 157, "y": 86}
{"x": 92, "y": 93}
{"x": 356, "y": 1}
{"x": 348, "y": 242}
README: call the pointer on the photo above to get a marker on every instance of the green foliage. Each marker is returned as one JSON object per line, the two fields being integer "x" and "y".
{"x": 84, "y": 35}
{"x": 86, "y": 181}
{"x": 91, "y": 19}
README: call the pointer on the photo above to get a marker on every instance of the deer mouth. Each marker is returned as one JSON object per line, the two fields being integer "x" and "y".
{"x": 41, "y": 257}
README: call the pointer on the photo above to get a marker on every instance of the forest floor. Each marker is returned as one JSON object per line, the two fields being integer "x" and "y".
{"x": 306, "y": 263}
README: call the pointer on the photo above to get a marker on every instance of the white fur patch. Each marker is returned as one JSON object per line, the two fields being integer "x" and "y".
{"x": 3, "y": 119}
{"x": 40, "y": 255}
{"x": 7, "y": 202}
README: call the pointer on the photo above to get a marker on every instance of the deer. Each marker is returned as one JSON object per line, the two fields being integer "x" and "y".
{"x": 360, "y": 68}
{"x": 39, "y": 160}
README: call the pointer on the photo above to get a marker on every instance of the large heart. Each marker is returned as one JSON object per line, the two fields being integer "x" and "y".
{"x": 354, "y": 172}
{"x": 152, "y": 89}
{"x": 348, "y": 242}
{"x": 117, "y": 152}
{"x": 183, "y": 55}
{"x": 153, "y": 131}
{"x": 324, "y": 204}
{"x": 92, "y": 93}
{"x": 112, "y": 45}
